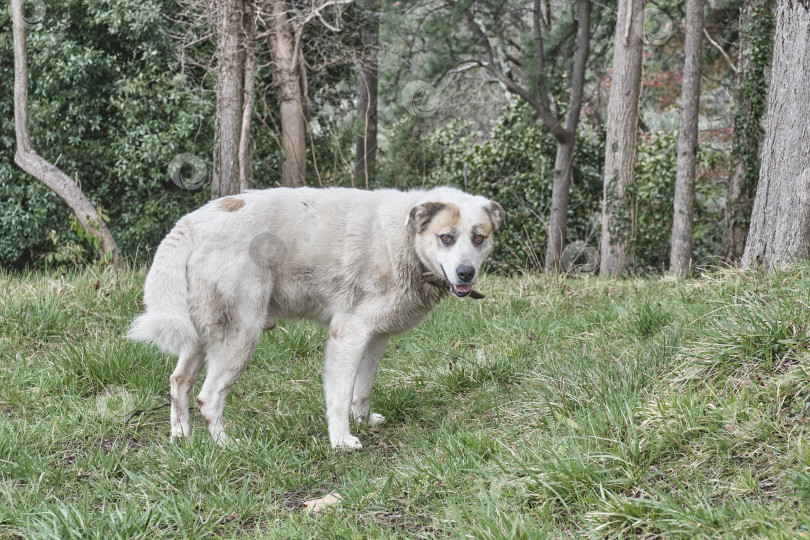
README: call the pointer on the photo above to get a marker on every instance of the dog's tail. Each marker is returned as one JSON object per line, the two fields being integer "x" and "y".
{"x": 166, "y": 322}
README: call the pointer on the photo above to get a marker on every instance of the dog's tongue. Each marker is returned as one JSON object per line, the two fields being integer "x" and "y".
{"x": 463, "y": 289}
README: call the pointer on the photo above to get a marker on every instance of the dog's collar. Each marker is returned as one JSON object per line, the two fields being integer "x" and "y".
{"x": 432, "y": 279}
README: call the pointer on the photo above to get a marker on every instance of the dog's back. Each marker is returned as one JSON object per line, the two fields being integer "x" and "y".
{"x": 314, "y": 247}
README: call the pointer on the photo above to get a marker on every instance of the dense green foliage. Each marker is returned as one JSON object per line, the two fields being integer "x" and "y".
{"x": 656, "y": 158}
{"x": 110, "y": 105}
{"x": 555, "y": 407}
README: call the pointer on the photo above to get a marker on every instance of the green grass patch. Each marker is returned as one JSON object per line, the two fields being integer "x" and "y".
{"x": 555, "y": 407}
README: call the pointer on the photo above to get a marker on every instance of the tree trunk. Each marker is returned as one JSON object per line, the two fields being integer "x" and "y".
{"x": 680, "y": 255}
{"x": 780, "y": 222}
{"x": 230, "y": 97}
{"x": 756, "y": 39}
{"x": 245, "y": 147}
{"x": 284, "y": 45}
{"x": 32, "y": 163}
{"x": 560, "y": 194}
{"x": 563, "y": 164}
{"x": 618, "y": 202}
{"x": 366, "y": 152}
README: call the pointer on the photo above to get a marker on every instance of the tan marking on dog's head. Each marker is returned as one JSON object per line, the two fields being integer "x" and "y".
{"x": 231, "y": 204}
{"x": 423, "y": 215}
{"x": 442, "y": 221}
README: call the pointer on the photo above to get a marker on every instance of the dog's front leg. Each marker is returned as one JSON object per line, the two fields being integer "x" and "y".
{"x": 348, "y": 337}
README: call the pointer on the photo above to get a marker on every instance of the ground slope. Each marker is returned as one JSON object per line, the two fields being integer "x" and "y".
{"x": 554, "y": 407}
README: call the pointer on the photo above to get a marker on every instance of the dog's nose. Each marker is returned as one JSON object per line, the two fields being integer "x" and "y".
{"x": 465, "y": 272}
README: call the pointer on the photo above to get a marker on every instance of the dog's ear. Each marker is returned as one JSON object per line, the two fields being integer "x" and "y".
{"x": 495, "y": 213}
{"x": 420, "y": 215}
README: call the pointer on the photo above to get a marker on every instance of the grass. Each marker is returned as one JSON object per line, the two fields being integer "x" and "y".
{"x": 554, "y": 408}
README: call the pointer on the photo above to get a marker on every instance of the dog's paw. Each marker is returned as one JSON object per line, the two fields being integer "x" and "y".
{"x": 349, "y": 442}
{"x": 223, "y": 441}
{"x": 371, "y": 419}
{"x": 179, "y": 437}
{"x": 227, "y": 443}
{"x": 375, "y": 419}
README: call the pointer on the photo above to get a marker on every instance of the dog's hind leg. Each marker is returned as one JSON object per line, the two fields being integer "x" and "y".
{"x": 364, "y": 381}
{"x": 225, "y": 363}
{"x": 181, "y": 382}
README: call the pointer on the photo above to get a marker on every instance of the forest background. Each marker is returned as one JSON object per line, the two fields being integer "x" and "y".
{"x": 122, "y": 92}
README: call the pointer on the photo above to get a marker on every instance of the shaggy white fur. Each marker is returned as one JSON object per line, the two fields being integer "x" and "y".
{"x": 365, "y": 264}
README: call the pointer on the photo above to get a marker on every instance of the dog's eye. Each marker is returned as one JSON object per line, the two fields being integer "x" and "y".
{"x": 446, "y": 239}
{"x": 478, "y": 239}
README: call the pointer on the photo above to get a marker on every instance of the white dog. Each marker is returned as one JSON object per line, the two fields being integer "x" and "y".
{"x": 365, "y": 264}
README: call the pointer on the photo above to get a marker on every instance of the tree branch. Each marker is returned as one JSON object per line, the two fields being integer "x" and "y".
{"x": 546, "y": 116}
{"x": 38, "y": 167}
{"x": 539, "y": 59}
{"x": 245, "y": 161}
{"x": 580, "y": 62}
{"x": 719, "y": 48}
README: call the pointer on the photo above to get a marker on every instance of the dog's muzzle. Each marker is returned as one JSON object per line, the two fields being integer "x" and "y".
{"x": 466, "y": 273}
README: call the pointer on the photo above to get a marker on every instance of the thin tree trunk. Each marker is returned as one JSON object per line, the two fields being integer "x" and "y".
{"x": 284, "y": 45}
{"x": 618, "y": 202}
{"x": 245, "y": 147}
{"x": 366, "y": 151}
{"x": 230, "y": 95}
{"x": 32, "y": 163}
{"x": 756, "y": 35}
{"x": 680, "y": 255}
{"x": 563, "y": 165}
{"x": 780, "y": 222}
{"x": 560, "y": 195}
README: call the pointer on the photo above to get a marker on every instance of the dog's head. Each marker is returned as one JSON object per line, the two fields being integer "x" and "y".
{"x": 452, "y": 235}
